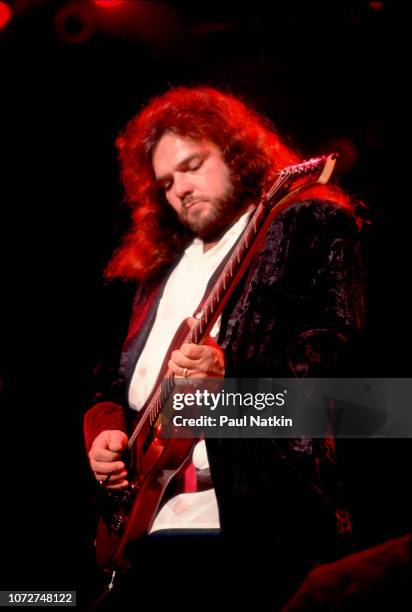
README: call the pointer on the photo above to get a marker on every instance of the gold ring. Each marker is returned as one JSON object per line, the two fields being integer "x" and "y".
{"x": 185, "y": 370}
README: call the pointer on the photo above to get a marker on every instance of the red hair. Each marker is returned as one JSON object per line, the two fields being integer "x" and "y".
{"x": 249, "y": 144}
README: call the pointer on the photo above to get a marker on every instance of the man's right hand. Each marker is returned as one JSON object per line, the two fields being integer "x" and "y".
{"x": 105, "y": 458}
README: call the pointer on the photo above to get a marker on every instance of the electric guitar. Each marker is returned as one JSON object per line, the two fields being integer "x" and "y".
{"x": 153, "y": 461}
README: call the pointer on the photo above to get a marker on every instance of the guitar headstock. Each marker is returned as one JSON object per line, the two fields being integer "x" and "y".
{"x": 298, "y": 176}
{"x": 323, "y": 166}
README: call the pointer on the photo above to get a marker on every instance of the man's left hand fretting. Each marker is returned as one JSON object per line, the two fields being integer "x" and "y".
{"x": 206, "y": 360}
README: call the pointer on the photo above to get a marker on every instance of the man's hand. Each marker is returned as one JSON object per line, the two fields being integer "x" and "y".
{"x": 105, "y": 454}
{"x": 205, "y": 360}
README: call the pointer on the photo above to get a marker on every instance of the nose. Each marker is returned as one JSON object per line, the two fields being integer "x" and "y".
{"x": 182, "y": 185}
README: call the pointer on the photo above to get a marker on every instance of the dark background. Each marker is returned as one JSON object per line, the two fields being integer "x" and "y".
{"x": 72, "y": 74}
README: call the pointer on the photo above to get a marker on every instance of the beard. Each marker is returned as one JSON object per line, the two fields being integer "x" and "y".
{"x": 210, "y": 221}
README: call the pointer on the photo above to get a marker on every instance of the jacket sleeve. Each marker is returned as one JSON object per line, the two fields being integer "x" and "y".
{"x": 102, "y": 416}
{"x": 326, "y": 294}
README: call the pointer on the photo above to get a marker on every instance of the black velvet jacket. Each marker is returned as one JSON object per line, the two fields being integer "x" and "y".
{"x": 298, "y": 312}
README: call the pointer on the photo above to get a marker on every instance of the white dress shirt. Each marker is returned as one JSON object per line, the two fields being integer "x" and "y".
{"x": 181, "y": 297}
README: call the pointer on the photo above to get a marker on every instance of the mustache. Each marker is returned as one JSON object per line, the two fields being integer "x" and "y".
{"x": 190, "y": 200}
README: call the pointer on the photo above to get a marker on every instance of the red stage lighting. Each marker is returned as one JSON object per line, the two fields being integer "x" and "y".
{"x": 108, "y": 3}
{"x": 5, "y": 14}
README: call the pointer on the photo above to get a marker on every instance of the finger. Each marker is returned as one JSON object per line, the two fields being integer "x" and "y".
{"x": 117, "y": 441}
{"x": 215, "y": 360}
{"x": 177, "y": 370}
{"x": 115, "y": 478}
{"x": 192, "y": 351}
{"x": 107, "y": 467}
{"x": 194, "y": 374}
{"x": 102, "y": 454}
{"x": 184, "y": 359}
{"x": 177, "y": 366}
{"x": 203, "y": 358}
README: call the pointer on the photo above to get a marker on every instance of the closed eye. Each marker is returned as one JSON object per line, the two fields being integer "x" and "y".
{"x": 166, "y": 185}
{"x": 195, "y": 164}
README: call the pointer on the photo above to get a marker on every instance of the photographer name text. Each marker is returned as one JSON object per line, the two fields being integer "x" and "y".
{"x": 225, "y": 421}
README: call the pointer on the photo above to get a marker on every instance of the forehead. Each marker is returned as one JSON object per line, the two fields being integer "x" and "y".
{"x": 173, "y": 150}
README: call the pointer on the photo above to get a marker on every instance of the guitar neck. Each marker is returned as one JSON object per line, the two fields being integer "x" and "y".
{"x": 232, "y": 272}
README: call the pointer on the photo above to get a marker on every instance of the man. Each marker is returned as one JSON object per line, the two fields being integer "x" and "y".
{"x": 195, "y": 163}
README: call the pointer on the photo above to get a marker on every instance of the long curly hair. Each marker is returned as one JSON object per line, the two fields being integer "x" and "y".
{"x": 250, "y": 146}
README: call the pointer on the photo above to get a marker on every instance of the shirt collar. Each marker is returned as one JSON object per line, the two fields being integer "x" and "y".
{"x": 195, "y": 249}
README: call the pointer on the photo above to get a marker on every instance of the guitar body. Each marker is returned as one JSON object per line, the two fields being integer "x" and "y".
{"x": 134, "y": 512}
{"x": 128, "y": 515}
